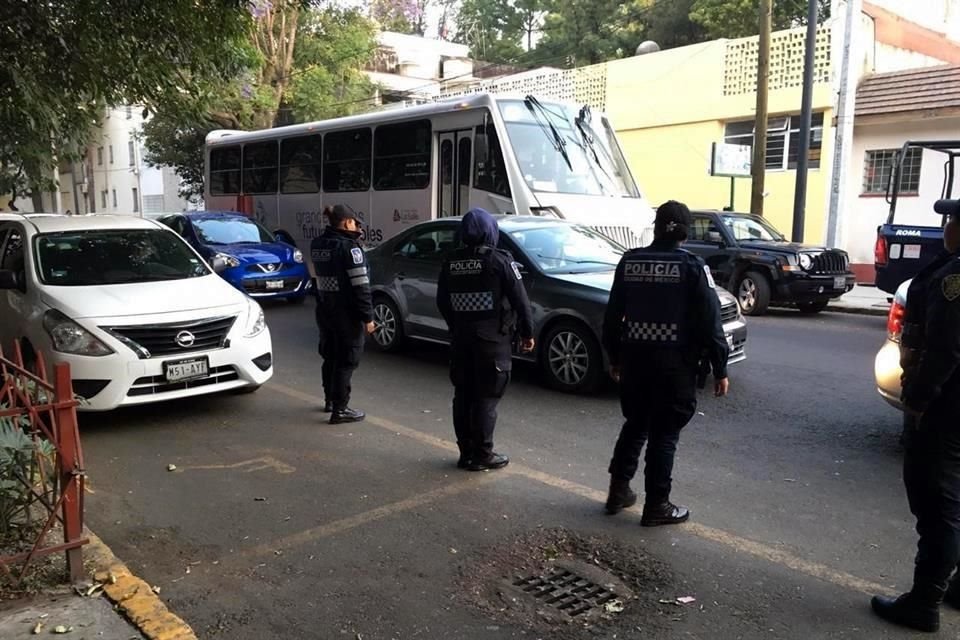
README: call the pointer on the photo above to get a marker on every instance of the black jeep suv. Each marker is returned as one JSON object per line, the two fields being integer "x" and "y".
{"x": 754, "y": 261}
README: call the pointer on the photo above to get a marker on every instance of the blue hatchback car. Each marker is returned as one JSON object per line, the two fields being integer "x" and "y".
{"x": 258, "y": 263}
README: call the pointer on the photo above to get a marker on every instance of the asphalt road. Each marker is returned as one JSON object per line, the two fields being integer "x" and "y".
{"x": 277, "y": 525}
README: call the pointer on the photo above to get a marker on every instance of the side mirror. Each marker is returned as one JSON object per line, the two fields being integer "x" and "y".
{"x": 10, "y": 280}
{"x": 715, "y": 237}
{"x": 284, "y": 237}
{"x": 219, "y": 265}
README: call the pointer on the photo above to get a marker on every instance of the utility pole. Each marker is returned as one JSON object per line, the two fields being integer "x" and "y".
{"x": 806, "y": 114}
{"x": 759, "y": 165}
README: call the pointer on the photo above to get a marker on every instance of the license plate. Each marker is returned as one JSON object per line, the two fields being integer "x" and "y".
{"x": 840, "y": 282}
{"x": 274, "y": 284}
{"x": 183, "y": 370}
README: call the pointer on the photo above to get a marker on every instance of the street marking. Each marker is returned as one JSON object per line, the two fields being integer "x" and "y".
{"x": 352, "y": 522}
{"x": 730, "y": 540}
{"x": 256, "y": 464}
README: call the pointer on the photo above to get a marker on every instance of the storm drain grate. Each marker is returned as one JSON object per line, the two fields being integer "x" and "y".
{"x": 566, "y": 591}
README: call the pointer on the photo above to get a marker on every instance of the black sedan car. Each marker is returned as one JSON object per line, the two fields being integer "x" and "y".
{"x": 761, "y": 267}
{"x": 568, "y": 271}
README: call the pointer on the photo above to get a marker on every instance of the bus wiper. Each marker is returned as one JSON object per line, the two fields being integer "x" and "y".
{"x": 589, "y": 140}
{"x": 559, "y": 144}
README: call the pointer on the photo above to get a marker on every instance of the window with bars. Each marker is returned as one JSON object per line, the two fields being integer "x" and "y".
{"x": 878, "y": 168}
{"x": 783, "y": 140}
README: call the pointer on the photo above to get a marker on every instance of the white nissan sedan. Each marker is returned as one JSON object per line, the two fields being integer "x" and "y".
{"x": 137, "y": 314}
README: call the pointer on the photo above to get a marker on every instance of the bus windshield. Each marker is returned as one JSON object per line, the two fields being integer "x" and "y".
{"x": 559, "y": 153}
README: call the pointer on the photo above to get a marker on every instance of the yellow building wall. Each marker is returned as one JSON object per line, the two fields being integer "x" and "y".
{"x": 669, "y": 107}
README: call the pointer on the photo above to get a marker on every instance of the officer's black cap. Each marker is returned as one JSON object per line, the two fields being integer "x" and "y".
{"x": 949, "y": 208}
{"x": 341, "y": 212}
{"x": 672, "y": 216}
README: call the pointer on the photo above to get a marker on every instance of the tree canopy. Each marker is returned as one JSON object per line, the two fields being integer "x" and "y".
{"x": 63, "y": 61}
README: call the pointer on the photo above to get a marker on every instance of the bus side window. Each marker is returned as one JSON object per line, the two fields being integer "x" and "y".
{"x": 490, "y": 173}
{"x": 225, "y": 170}
{"x": 346, "y": 160}
{"x": 401, "y": 156}
{"x": 300, "y": 159}
{"x": 260, "y": 167}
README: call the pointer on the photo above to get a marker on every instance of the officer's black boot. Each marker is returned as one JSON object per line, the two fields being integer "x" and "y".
{"x": 657, "y": 514}
{"x": 341, "y": 416}
{"x": 952, "y": 596}
{"x": 466, "y": 456}
{"x": 489, "y": 463}
{"x": 620, "y": 496}
{"x": 328, "y": 406}
{"x": 915, "y": 610}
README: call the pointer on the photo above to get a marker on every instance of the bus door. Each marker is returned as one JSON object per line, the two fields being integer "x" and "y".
{"x": 456, "y": 162}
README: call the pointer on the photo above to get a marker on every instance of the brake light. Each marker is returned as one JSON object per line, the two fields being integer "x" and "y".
{"x": 895, "y": 321}
{"x": 880, "y": 251}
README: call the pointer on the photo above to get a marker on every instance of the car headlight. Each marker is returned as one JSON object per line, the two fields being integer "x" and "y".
{"x": 256, "y": 321}
{"x": 70, "y": 337}
{"x": 298, "y": 256}
{"x": 231, "y": 261}
{"x": 806, "y": 261}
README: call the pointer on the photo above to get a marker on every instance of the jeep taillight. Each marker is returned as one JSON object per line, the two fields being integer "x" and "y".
{"x": 895, "y": 321}
{"x": 880, "y": 253}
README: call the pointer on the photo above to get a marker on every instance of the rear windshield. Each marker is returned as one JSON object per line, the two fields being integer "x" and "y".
{"x": 76, "y": 259}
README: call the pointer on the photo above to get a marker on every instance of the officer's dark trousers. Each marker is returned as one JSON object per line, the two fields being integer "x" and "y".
{"x": 931, "y": 473}
{"x": 480, "y": 372}
{"x": 658, "y": 399}
{"x": 341, "y": 345}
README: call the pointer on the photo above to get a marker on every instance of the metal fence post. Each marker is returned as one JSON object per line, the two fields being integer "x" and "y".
{"x": 70, "y": 468}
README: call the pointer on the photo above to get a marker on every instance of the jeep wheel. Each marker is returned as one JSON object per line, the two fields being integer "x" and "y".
{"x": 812, "y": 307}
{"x": 753, "y": 293}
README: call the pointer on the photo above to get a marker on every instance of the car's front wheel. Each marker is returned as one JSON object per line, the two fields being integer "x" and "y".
{"x": 570, "y": 358}
{"x": 388, "y": 333}
{"x": 753, "y": 293}
{"x": 812, "y": 307}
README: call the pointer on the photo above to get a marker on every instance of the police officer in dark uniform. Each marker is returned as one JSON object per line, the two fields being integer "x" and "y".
{"x": 481, "y": 296}
{"x": 344, "y": 308}
{"x": 930, "y": 358}
{"x": 662, "y": 315}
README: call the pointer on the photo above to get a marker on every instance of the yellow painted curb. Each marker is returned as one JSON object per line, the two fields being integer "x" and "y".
{"x": 132, "y": 596}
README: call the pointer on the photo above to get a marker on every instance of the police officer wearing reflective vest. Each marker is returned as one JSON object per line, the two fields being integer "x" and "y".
{"x": 930, "y": 359}
{"x": 344, "y": 308}
{"x": 662, "y": 315}
{"x": 481, "y": 296}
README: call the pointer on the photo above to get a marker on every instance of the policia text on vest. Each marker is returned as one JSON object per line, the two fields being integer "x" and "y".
{"x": 481, "y": 296}
{"x": 344, "y": 308}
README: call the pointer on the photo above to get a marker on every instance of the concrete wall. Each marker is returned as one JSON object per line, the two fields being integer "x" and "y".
{"x": 863, "y": 214}
{"x": 669, "y": 107}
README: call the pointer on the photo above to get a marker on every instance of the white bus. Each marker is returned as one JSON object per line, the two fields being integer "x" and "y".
{"x": 399, "y": 167}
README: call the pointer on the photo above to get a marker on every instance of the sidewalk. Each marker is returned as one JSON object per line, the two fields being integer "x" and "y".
{"x": 121, "y": 607}
{"x": 864, "y": 300}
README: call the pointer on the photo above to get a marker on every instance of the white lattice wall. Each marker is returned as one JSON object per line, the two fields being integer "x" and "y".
{"x": 786, "y": 61}
{"x": 586, "y": 85}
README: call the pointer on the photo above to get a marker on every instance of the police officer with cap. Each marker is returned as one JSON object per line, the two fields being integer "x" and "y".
{"x": 481, "y": 296}
{"x": 344, "y": 307}
{"x": 930, "y": 358}
{"x": 662, "y": 315}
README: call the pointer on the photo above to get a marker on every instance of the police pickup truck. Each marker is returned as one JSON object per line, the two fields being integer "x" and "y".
{"x": 902, "y": 250}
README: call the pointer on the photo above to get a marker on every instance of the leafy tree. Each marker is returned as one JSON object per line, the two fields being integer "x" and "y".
{"x": 63, "y": 61}
{"x": 741, "y": 18}
{"x": 491, "y": 28}
{"x": 324, "y": 79}
{"x": 402, "y": 16}
{"x": 585, "y": 32}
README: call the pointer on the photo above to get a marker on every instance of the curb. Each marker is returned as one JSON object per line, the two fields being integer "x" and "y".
{"x": 860, "y": 311}
{"x": 133, "y": 597}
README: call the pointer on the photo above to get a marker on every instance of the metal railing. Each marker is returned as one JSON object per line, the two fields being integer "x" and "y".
{"x": 45, "y": 411}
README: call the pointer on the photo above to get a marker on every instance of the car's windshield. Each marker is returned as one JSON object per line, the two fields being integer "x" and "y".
{"x": 746, "y": 229}
{"x": 231, "y": 231}
{"x": 573, "y": 159}
{"x": 567, "y": 248}
{"x": 85, "y": 258}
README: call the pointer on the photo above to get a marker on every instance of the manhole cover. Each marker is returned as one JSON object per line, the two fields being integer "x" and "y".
{"x": 566, "y": 591}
